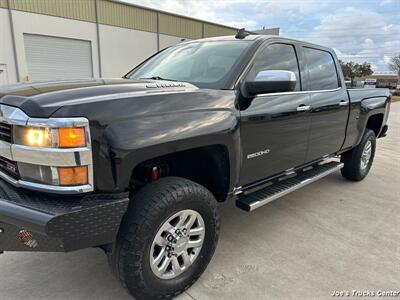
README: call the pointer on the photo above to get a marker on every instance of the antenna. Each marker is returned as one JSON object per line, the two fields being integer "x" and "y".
{"x": 242, "y": 33}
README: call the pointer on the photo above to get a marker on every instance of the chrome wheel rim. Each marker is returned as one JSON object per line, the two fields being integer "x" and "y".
{"x": 177, "y": 244}
{"x": 366, "y": 155}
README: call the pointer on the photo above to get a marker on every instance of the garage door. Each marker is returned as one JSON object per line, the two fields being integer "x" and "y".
{"x": 54, "y": 58}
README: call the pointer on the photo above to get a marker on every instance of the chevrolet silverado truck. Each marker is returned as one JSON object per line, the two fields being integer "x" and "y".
{"x": 136, "y": 166}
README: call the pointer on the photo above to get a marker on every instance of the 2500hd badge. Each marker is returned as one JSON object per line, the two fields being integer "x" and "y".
{"x": 259, "y": 153}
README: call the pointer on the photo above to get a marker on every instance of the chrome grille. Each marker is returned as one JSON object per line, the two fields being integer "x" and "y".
{"x": 5, "y": 132}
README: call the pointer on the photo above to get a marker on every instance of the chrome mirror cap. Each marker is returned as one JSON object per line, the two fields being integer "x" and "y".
{"x": 276, "y": 76}
{"x": 269, "y": 81}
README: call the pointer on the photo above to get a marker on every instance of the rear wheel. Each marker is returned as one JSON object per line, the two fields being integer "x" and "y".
{"x": 358, "y": 161}
{"x": 167, "y": 238}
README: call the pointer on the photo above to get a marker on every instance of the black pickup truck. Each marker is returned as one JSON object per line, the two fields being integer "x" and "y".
{"x": 136, "y": 166}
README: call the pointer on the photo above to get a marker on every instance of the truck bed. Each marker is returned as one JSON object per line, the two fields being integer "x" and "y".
{"x": 359, "y": 94}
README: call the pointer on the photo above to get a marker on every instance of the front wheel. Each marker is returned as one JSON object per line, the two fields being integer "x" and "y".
{"x": 167, "y": 238}
{"x": 358, "y": 161}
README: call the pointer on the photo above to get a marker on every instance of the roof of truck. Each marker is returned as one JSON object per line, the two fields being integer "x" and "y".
{"x": 260, "y": 37}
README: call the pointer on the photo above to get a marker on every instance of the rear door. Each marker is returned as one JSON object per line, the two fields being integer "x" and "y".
{"x": 274, "y": 131}
{"x": 329, "y": 103}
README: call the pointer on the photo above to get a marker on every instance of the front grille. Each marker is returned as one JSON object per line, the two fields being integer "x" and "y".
{"x": 9, "y": 167}
{"x": 5, "y": 132}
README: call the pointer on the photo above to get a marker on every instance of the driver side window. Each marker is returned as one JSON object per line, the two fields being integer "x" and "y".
{"x": 276, "y": 57}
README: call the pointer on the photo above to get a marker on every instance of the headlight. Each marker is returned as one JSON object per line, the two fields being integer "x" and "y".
{"x": 39, "y": 174}
{"x": 32, "y": 136}
{"x": 62, "y": 176}
{"x": 46, "y": 154}
{"x": 46, "y": 137}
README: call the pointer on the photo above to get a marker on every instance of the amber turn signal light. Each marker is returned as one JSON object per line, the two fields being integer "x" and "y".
{"x": 71, "y": 137}
{"x": 73, "y": 175}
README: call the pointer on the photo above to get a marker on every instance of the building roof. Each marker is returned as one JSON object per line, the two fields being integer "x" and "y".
{"x": 122, "y": 14}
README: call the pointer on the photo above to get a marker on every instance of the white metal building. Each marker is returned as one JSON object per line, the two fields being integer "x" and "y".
{"x": 65, "y": 39}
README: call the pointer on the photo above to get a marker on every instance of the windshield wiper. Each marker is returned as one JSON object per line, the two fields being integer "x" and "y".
{"x": 159, "y": 78}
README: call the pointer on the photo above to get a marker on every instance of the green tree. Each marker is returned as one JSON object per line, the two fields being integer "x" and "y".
{"x": 352, "y": 70}
{"x": 394, "y": 63}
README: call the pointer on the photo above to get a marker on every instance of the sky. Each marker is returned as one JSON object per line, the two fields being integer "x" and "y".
{"x": 358, "y": 31}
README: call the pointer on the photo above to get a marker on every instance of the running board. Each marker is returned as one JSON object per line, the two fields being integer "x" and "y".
{"x": 281, "y": 188}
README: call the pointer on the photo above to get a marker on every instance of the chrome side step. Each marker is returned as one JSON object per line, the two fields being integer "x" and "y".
{"x": 278, "y": 189}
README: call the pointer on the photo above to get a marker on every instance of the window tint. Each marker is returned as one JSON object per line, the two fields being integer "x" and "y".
{"x": 321, "y": 68}
{"x": 276, "y": 57}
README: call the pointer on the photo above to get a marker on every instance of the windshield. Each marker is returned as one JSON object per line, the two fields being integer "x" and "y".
{"x": 204, "y": 64}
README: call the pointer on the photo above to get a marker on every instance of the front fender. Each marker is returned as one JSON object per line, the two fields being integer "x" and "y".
{"x": 136, "y": 140}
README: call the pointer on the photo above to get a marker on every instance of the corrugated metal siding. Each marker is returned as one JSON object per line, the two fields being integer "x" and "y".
{"x": 117, "y": 14}
{"x": 73, "y": 9}
{"x": 3, "y": 4}
{"x": 121, "y": 15}
{"x": 182, "y": 27}
{"x": 211, "y": 30}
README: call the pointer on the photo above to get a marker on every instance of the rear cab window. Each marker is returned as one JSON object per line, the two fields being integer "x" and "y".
{"x": 322, "y": 73}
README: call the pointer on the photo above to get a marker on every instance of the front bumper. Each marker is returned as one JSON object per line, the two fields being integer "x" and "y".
{"x": 32, "y": 221}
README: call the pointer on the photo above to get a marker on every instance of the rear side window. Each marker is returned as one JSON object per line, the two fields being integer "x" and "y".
{"x": 276, "y": 57}
{"x": 321, "y": 69}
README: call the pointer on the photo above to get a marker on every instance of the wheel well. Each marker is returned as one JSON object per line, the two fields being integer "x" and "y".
{"x": 375, "y": 123}
{"x": 208, "y": 166}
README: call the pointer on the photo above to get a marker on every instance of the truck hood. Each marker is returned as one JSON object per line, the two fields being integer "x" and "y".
{"x": 42, "y": 99}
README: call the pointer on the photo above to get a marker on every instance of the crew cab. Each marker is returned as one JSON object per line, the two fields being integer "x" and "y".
{"x": 136, "y": 166}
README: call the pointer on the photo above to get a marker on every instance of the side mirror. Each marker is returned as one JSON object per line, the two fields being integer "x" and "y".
{"x": 271, "y": 81}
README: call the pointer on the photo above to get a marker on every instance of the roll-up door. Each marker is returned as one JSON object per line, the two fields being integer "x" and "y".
{"x": 55, "y": 58}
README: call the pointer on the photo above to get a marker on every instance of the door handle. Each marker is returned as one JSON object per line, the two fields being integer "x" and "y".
{"x": 303, "y": 107}
{"x": 343, "y": 103}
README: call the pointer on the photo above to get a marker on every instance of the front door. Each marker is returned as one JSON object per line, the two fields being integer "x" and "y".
{"x": 274, "y": 131}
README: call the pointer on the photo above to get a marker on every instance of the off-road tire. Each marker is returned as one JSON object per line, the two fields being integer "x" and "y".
{"x": 352, "y": 159}
{"x": 148, "y": 210}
